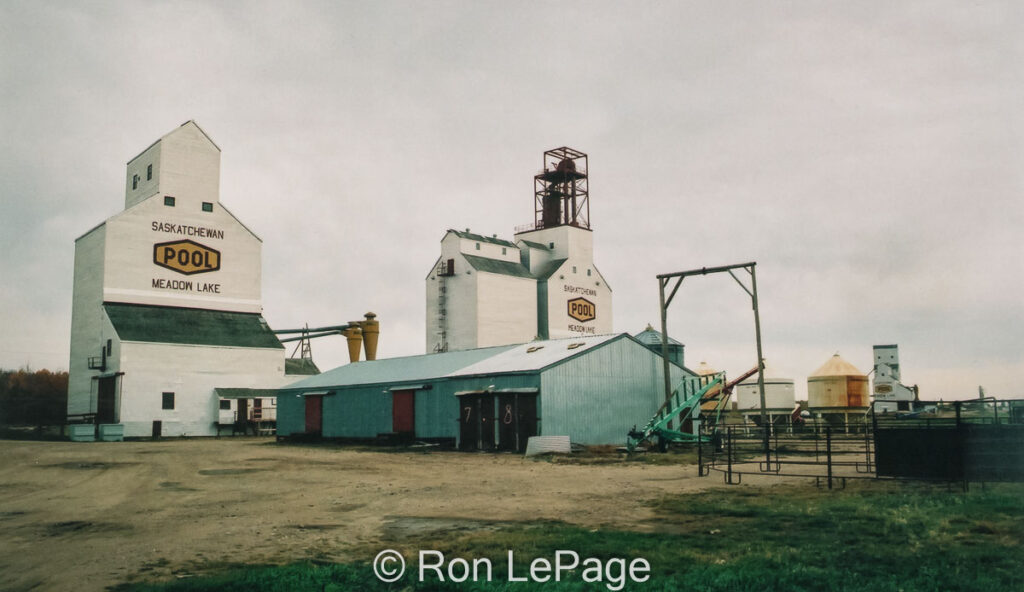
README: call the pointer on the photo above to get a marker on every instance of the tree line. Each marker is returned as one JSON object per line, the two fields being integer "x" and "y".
{"x": 33, "y": 397}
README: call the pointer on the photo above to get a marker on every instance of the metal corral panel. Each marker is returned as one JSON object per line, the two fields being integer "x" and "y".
{"x": 597, "y": 398}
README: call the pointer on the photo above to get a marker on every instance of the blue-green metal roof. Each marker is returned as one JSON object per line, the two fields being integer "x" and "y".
{"x": 651, "y": 337}
{"x": 497, "y": 266}
{"x": 507, "y": 359}
{"x": 537, "y": 355}
{"x": 244, "y": 393}
{"x": 483, "y": 239}
{"x": 536, "y": 245}
{"x": 392, "y": 370}
{"x": 193, "y": 326}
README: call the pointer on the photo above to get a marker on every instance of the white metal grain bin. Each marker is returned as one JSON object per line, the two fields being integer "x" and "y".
{"x": 779, "y": 393}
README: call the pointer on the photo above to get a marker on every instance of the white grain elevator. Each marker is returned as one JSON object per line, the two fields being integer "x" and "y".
{"x": 484, "y": 291}
{"x": 167, "y": 301}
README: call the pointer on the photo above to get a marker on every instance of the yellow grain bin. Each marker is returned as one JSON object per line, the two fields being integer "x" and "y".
{"x": 837, "y": 386}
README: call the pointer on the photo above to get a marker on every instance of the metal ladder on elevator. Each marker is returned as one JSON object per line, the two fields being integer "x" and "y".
{"x": 445, "y": 269}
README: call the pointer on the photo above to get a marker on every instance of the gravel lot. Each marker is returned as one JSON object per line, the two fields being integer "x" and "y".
{"x": 90, "y": 515}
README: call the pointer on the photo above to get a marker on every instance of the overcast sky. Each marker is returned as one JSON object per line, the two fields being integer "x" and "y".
{"x": 868, "y": 156}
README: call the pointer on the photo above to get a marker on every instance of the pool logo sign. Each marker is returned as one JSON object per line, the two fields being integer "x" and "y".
{"x": 186, "y": 257}
{"x": 582, "y": 310}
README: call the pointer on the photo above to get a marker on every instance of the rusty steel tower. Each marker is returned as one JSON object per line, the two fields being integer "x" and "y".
{"x": 560, "y": 190}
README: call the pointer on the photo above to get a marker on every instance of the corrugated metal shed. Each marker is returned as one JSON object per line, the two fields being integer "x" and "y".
{"x": 597, "y": 397}
{"x": 592, "y": 389}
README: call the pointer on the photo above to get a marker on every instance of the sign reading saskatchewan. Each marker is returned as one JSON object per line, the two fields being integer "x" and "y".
{"x": 186, "y": 256}
{"x": 582, "y": 310}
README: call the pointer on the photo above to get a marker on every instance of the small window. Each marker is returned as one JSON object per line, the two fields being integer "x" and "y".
{"x": 207, "y": 206}
{"x": 574, "y": 269}
{"x": 110, "y": 346}
{"x": 168, "y": 201}
{"x": 478, "y": 246}
{"x": 504, "y": 251}
{"x": 551, "y": 245}
{"x": 257, "y": 403}
{"x": 149, "y": 172}
{"x": 225, "y": 404}
{"x": 588, "y": 273}
{"x": 135, "y": 181}
{"x": 168, "y": 402}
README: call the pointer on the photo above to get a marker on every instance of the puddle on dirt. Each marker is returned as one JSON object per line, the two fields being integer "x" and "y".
{"x": 315, "y": 526}
{"x": 80, "y": 527}
{"x": 90, "y": 465}
{"x": 347, "y": 507}
{"x": 229, "y": 471}
{"x": 175, "y": 486}
{"x": 408, "y": 526}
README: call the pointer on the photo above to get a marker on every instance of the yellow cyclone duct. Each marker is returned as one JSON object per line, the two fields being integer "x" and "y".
{"x": 371, "y": 330}
{"x": 354, "y": 335}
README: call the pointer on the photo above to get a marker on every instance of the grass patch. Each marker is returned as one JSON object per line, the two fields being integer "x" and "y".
{"x": 869, "y": 537}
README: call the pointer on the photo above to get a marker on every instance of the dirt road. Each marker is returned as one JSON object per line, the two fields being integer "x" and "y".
{"x": 87, "y": 516}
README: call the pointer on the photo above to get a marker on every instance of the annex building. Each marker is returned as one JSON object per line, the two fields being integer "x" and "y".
{"x": 593, "y": 389}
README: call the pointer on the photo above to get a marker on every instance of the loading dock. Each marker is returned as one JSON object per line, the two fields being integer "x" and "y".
{"x": 106, "y": 400}
{"x": 476, "y": 421}
{"x": 517, "y": 419}
{"x": 314, "y": 413}
{"x": 403, "y": 413}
